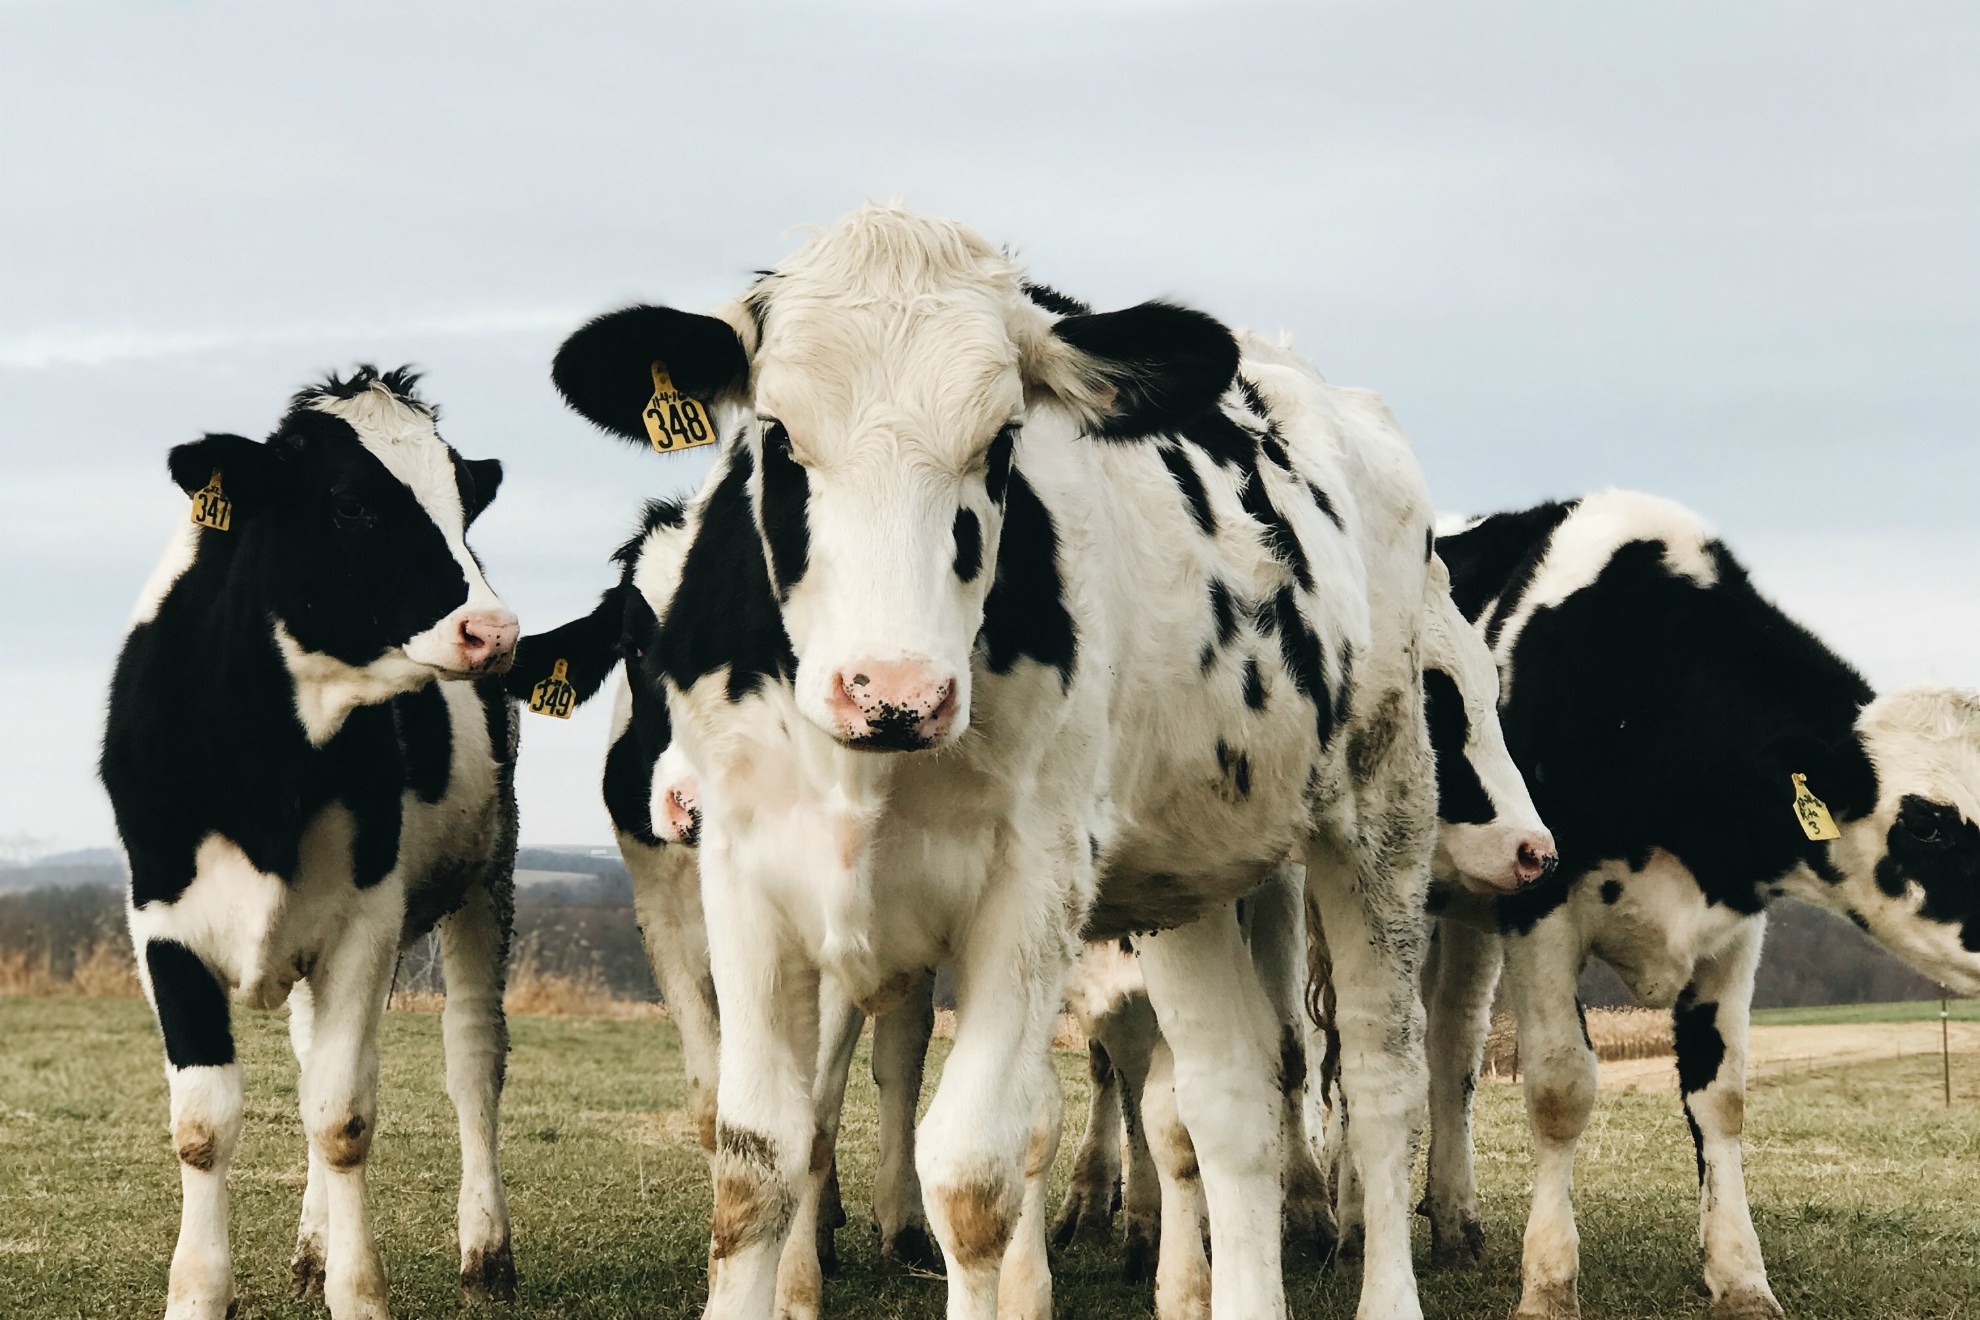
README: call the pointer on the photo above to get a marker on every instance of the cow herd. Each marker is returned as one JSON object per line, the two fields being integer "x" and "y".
{"x": 1109, "y": 660}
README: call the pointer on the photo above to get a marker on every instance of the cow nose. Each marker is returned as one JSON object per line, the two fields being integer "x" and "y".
{"x": 892, "y": 705}
{"x": 1534, "y": 858}
{"x": 680, "y": 813}
{"x": 487, "y": 641}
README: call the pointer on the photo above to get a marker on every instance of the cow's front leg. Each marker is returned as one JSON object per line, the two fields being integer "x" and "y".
{"x": 339, "y": 1095}
{"x": 205, "y": 1083}
{"x": 473, "y": 942}
{"x": 800, "y": 1273}
{"x": 312, "y": 1234}
{"x": 1096, "y": 1177}
{"x": 1560, "y": 1076}
{"x": 1710, "y": 1026}
{"x": 1182, "y": 1270}
{"x": 1459, "y": 981}
{"x": 1225, "y": 1039}
{"x": 900, "y": 1052}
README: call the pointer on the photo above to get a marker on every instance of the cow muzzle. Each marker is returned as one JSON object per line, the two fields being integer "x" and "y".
{"x": 483, "y": 642}
{"x": 891, "y": 705}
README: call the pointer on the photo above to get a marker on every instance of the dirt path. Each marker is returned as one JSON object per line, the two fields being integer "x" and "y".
{"x": 1777, "y": 1050}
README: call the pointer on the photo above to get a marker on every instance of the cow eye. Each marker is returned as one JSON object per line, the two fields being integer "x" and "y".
{"x": 1926, "y": 832}
{"x": 350, "y": 512}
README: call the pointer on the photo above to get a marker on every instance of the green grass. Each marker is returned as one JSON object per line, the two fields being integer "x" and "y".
{"x": 1917, "y": 1010}
{"x": 1865, "y": 1187}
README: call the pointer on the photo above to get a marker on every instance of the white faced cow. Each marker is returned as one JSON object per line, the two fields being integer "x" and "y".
{"x": 298, "y": 798}
{"x": 1007, "y": 621}
{"x": 1668, "y": 718}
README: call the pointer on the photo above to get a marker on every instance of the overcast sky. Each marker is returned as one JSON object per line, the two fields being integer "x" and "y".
{"x": 1729, "y": 253}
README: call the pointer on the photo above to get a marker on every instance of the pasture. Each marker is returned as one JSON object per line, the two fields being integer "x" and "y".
{"x": 1864, "y": 1187}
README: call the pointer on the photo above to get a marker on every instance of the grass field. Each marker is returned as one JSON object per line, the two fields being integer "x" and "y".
{"x": 1867, "y": 1191}
{"x": 1922, "y": 1010}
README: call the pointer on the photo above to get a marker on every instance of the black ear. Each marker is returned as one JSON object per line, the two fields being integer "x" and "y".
{"x": 484, "y": 478}
{"x": 251, "y": 473}
{"x": 1163, "y": 363}
{"x": 589, "y": 647}
{"x": 1839, "y": 773}
{"x": 605, "y": 369}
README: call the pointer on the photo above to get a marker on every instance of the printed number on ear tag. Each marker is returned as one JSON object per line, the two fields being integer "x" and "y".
{"x": 675, "y": 421}
{"x": 554, "y": 695}
{"x": 210, "y": 508}
{"x": 1812, "y": 812}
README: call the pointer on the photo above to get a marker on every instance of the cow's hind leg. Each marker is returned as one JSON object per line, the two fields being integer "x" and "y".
{"x": 800, "y": 1271}
{"x": 1182, "y": 1269}
{"x": 1462, "y": 974}
{"x": 473, "y": 947}
{"x": 1710, "y": 1026}
{"x": 205, "y": 1083}
{"x": 1095, "y": 1192}
{"x": 667, "y": 903}
{"x": 306, "y": 1266}
{"x": 900, "y": 1052}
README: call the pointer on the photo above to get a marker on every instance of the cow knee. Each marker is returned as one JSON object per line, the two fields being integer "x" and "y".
{"x": 344, "y": 1141}
{"x": 754, "y": 1197}
{"x": 1560, "y": 1110}
{"x": 974, "y": 1217}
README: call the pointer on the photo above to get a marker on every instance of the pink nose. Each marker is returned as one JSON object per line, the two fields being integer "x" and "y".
{"x": 487, "y": 641}
{"x": 1534, "y": 858}
{"x": 680, "y": 813}
{"x": 891, "y": 705}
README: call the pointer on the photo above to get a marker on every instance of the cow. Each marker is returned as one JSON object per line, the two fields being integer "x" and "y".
{"x": 991, "y": 637}
{"x": 298, "y": 798}
{"x": 1490, "y": 840}
{"x": 1697, "y": 753}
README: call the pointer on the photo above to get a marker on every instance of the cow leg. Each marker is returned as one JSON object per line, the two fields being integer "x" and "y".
{"x": 1182, "y": 1270}
{"x": 667, "y": 904}
{"x": 1710, "y": 1026}
{"x": 339, "y": 1094}
{"x": 1096, "y": 1176}
{"x": 1141, "y": 1190}
{"x": 1460, "y": 978}
{"x": 1024, "y": 1283}
{"x": 205, "y": 1083}
{"x": 900, "y": 1052}
{"x": 1559, "y": 1071}
{"x": 800, "y": 1274}
{"x": 306, "y": 1266}
{"x": 473, "y": 944}
{"x": 1220, "y": 1027}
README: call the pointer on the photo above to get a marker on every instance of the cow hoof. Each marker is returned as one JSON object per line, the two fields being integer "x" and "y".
{"x": 1748, "y": 1304}
{"x": 306, "y": 1269}
{"x": 488, "y": 1276}
{"x": 1310, "y": 1231}
{"x": 911, "y": 1249}
{"x": 1464, "y": 1247}
{"x": 1138, "y": 1259}
{"x": 827, "y": 1244}
{"x": 1349, "y": 1246}
{"x": 1549, "y": 1301}
{"x": 1088, "y": 1215}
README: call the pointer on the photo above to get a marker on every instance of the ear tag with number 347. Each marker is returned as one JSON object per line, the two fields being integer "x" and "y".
{"x": 210, "y": 508}
{"x": 554, "y": 695}
{"x": 675, "y": 421}
{"x": 1813, "y": 813}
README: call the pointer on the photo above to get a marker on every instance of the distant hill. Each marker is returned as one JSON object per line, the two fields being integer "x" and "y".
{"x": 65, "y": 870}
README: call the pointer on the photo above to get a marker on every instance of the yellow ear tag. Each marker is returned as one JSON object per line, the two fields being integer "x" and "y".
{"x": 210, "y": 508}
{"x": 675, "y": 421}
{"x": 1813, "y": 813}
{"x": 554, "y": 695}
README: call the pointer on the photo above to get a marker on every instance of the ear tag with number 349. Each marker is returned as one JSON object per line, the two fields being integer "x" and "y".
{"x": 675, "y": 421}
{"x": 210, "y": 508}
{"x": 1813, "y": 813}
{"x": 554, "y": 695}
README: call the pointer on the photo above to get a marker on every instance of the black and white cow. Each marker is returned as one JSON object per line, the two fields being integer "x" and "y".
{"x": 1666, "y": 716}
{"x": 298, "y": 798}
{"x": 1140, "y": 618}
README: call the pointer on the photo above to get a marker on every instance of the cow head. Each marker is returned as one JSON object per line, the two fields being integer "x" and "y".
{"x": 1489, "y": 836}
{"x": 1908, "y": 868}
{"x": 349, "y": 524}
{"x": 882, "y": 381}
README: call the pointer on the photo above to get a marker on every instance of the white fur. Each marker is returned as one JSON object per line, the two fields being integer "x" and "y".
{"x": 172, "y": 565}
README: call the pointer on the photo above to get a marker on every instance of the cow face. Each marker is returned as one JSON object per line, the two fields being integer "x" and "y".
{"x": 352, "y": 520}
{"x": 1911, "y": 868}
{"x": 883, "y": 381}
{"x": 1490, "y": 836}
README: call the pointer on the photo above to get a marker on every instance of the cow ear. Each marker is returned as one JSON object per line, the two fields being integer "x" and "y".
{"x": 605, "y": 369}
{"x": 484, "y": 479}
{"x": 1839, "y": 773}
{"x": 590, "y": 648}
{"x": 252, "y": 474}
{"x": 1136, "y": 372}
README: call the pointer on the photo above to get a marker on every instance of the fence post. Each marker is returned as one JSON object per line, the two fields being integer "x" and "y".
{"x": 1945, "y": 1040}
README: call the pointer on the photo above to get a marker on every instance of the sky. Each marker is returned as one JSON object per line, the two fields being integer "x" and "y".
{"x": 1727, "y": 253}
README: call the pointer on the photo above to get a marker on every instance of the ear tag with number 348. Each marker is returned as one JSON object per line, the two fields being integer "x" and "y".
{"x": 554, "y": 695}
{"x": 210, "y": 508}
{"x": 1812, "y": 812}
{"x": 674, "y": 420}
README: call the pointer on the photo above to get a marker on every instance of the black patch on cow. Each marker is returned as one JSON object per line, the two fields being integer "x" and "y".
{"x": 1581, "y": 1016}
{"x": 1281, "y": 542}
{"x": 786, "y": 495}
{"x": 1248, "y": 390}
{"x": 724, "y": 613}
{"x": 1299, "y": 652}
{"x": 1274, "y": 451}
{"x": 627, "y": 785}
{"x": 1611, "y": 891}
{"x": 1165, "y": 363}
{"x": 1461, "y": 797}
{"x": 1697, "y": 1143}
{"x": 969, "y": 545}
{"x": 192, "y": 1007}
{"x": 997, "y": 461}
{"x": 425, "y": 739}
{"x": 1254, "y": 684}
{"x": 1025, "y": 616}
{"x": 1223, "y": 612}
{"x": 1649, "y": 712}
{"x": 1241, "y": 775}
{"x": 605, "y": 369}
{"x": 1217, "y": 434}
{"x": 1059, "y": 304}
{"x": 1932, "y": 845}
{"x": 1326, "y": 506}
{"x": 1191, "y": 486}
{"x": 1701, "y": 1050}
{"x": 1429, "y": 543}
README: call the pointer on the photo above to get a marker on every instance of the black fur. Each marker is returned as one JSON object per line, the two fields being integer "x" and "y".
{"x": 786, "y": 493}
{"x": 1461, "y": 798}
{"x": 724, "y": 612}
{"x": 1025, "y": 615}
{"x": 1166, "y": 364}
{"x": 605, "y": 369}
{"x": 192, "y": 1008}
{"x": 1701, "y": 1050}
{"x": 1933, "y": 846}
{"x": 1254, "y": 684}
{"x": 1191, "y": 487}
{"x": 969, "y": 545}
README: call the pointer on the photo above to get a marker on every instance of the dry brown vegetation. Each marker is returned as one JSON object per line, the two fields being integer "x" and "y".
{"x": 1616, "y": 1033}
{"x": 102, "y": 969}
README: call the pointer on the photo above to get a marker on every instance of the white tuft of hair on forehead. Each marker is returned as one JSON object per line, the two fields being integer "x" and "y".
{"x": 1926, "y": 740}
{"x": 404, "y": 439}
